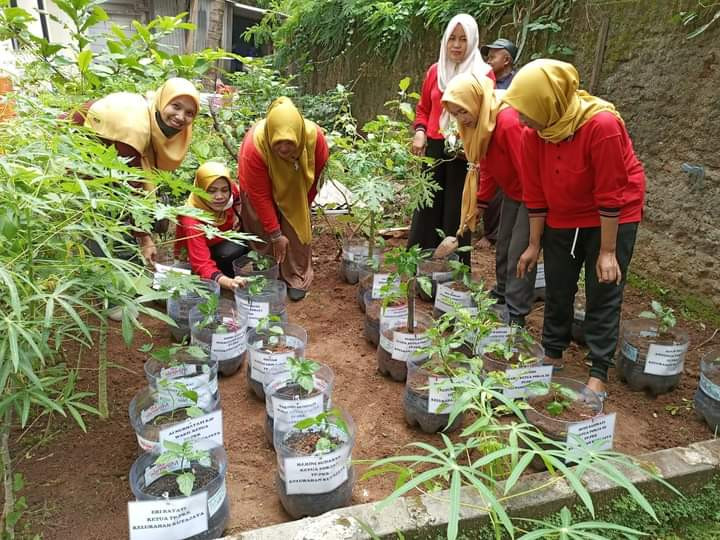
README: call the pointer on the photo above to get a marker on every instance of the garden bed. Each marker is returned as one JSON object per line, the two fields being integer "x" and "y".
{"x": 78, "y": 484}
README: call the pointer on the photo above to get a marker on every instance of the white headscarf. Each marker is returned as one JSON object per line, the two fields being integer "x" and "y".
{"x": 473, "y": 62}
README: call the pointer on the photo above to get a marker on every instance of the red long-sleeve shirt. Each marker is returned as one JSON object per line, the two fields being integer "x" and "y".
{"x": 501, "y": 165}
{"x": 189, "y": 236}
{"x": 255, "y": 180}
{"x": 591, "y": 174}
{"x": 429, "y": 107}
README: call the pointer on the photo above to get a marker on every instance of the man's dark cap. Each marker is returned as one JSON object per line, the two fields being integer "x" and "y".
{"x": 500, "y": 43}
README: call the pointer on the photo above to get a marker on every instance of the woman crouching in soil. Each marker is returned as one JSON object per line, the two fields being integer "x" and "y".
{"x": 212, "y": 258}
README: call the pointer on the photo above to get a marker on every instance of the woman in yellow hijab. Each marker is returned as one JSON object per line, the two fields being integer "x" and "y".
{"x": 584, "y": 189}
{"x": 152, "y": 132}
{"x": 212, "y": 258}
{"x": 492, "y": 137}
{"x": 279, "y": 163}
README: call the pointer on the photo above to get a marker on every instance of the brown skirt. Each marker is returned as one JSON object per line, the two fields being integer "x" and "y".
{"x": 296, "y": 270}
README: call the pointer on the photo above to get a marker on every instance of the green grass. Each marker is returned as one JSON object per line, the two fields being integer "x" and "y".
{"x": 691, "y": 307}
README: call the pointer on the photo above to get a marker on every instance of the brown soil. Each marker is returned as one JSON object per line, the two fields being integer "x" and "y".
{"x": 77, "y": 484}
{"x": 168, "y": 483}
{"x": 178, "y": 415}
{"x": 278, "y": 348}
{"x": 304, "y": 443}
{"x": 295, "y": 390}
{"x": 458, "y": 286}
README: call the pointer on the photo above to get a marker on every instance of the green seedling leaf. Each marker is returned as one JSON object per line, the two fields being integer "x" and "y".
{"x": 194, "y": 412}
{"x": 185, "y": 482}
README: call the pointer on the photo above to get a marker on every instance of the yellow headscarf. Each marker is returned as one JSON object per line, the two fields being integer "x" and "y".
{"x": 291, "y": 181}
{"x": 206, "y": 174}
{"x": 475, "y": 96}
{"x": 546, "y": 91}
{"x": 169, "y": 152}
{"x": 122, "y": 117}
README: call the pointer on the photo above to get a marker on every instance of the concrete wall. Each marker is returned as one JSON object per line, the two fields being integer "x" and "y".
{"x": 666, "y": 88}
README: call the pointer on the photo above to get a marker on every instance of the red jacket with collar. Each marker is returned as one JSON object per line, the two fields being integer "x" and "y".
{"x": 591, "y": 174}
{"x": 501, "y": 165}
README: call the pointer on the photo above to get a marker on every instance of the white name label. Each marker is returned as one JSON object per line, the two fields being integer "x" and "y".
{"x": 168, "y": 519}
{"x": 183, "y": 370}
{"x": 440, "y": 398}
{"x": 255, "y": 310}
{"x": 311, "y": 475}
{"x": 161, "y": 271}
{"x": 379, "y": 281}
{"x": 520, "y": 378}
{"x": 497, "y": 335}
{"x": 262, "y": 363}
{"x": 540, "y": 276}
{"x": 286, "y": 413}
{"x": 230, "y": 344}
{"x": 405, "y": 346}
{"x": 394, "y": 315}
{"x": 597, "y": 432}
{"x": 208, "y": 426}
{"x": 446, "y": 296}
{"x": 665, "y": 359}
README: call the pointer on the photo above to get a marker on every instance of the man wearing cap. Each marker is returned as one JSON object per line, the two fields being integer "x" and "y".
{"x": 500, "y": 54}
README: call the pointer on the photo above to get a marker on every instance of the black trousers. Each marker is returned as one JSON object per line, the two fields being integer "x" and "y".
{"x": 444, "y": 212}
{"x": 225, "y": 253}
{"x": 604, "y": 300}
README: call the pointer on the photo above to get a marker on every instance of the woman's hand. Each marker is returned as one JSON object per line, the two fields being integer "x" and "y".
{"x": 232, "y": 283}
{"x": 148, "y": 250}
{"x": 419, "y": 142}
{"x": 279, "y": 247}
{"x": 607, "y": 268}
{"x": 528, "y": 260}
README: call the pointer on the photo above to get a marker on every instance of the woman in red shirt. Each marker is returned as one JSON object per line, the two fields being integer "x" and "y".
{"x": 584, "y": 189}
{"x": 458, "y": 54}
{"x": 279, "y": 163}
{"x": 212, "y": 258}
{"x": 466, "y": 99}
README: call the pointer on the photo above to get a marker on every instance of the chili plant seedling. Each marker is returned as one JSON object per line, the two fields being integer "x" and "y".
{"x": 324, "y": 424}
{"x": 664, "y": 316}
{"x": 302, "y": 371}
{"x": 261, "y": 262}
{"x": 185, "y": 453}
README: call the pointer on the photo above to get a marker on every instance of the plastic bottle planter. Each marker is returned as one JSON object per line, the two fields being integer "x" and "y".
{"x": 197, "y": 374}
{"x": 268, "y": 352}
{"x": 398, "y": 346}
{"x": 375, "y": 313}
{"x": 354, "y": 253}
{"x": 271, "y": 301}
{"x": 152, "y": 411}
{"x": 309, "y": 483}
{"x": 577, "y": 329}
{"x": 531, "y": 351}
{"x": 650, "y": 361}
{"x": 585, "y": 405}
{"x": 437, "y": 270}
{"x": 707, "y": 397}
{"x": 178, "y": 308}
{"x": 245, "y": 266}
{"x": 449, "y": 292}
{"x": 149, "y": 482}
{"x": 428, "y": 398}
{"x": 164, "y": 265}
{"x": 223, "y": 337}
{"x": 371, "y": 279}
{"x": 540, "y": 282}
{"x": 286, "y": 402}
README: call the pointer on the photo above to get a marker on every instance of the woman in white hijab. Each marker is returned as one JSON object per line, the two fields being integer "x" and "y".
{"x": 459, "y": 53}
